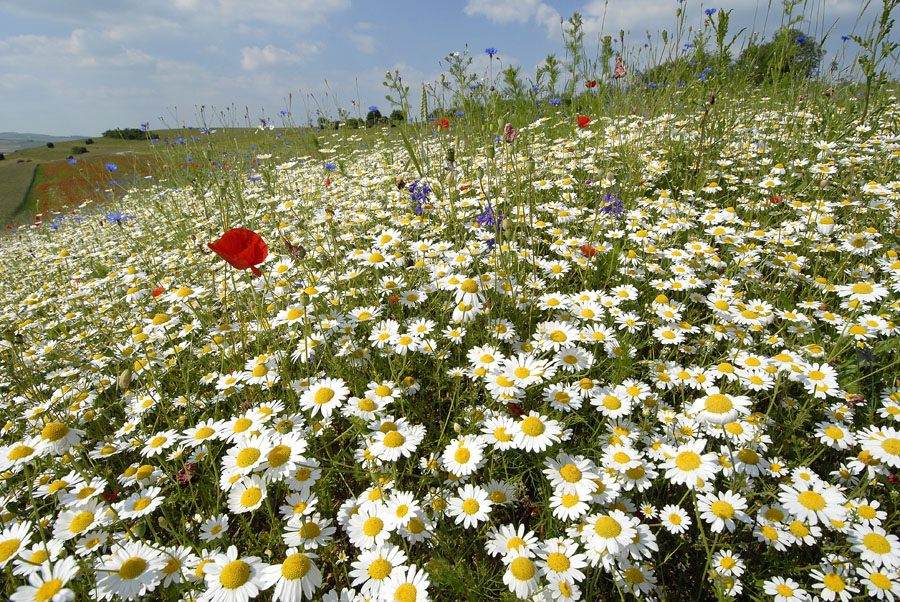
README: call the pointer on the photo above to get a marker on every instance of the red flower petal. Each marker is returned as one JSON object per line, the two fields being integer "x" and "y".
{"x": 583, "y": 121}
{"x": 242, "y": 249}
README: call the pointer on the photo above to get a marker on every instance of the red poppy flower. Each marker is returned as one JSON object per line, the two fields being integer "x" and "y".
{"x": 327, "y": 182}
{"x": 583, "y": 121}
{"x": 442, "y": 123}
{"x": 516, "y": 409}
{"x": 588, "y": 250}
{"x": 590, "y": 83}
{"x": 775, "y": 199}
{"x": 242, "y": 249}
{"x": 158, "y": 291}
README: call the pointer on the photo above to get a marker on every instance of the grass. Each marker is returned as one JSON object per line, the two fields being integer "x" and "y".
{"x": 15, "y": 179}
{"x": 656, "y": 345}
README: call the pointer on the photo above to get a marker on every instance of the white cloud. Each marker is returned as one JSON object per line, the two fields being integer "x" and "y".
{"x": 254, "y": 57}
{"x": 364, "y": 42}
{"x": 515, "y": 11}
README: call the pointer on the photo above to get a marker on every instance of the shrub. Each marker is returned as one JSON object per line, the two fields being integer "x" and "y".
{"x": 89, "y": 141}
{"x": 126, "y": 134}
{"x": 79, "y": 150}
{"x": 50, "y": 145}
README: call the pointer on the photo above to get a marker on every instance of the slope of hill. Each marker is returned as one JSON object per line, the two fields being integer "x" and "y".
{"x": 13, "y": 141}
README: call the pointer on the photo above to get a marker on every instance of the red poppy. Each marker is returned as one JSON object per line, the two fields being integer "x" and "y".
{"x": 327, "y": 182}
{"x": 110, "y": 496}
{"x": 394, "y": 299}
{"x": 442, "y": 123}
{"x": 775, "y": 199}
{"x": 516, "y": 409}
{"x": 588, "y": 250}
{"x": 583, "y": 121}
{"x": 158, "y": 291}
{"x": 242, "y": 249}
{"x": 590, "y": 83}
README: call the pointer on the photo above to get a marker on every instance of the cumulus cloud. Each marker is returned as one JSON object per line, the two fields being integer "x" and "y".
{"x": 363, "y": 41}
{"x": 515, "y": 11}
{"x": 254, "y": 57}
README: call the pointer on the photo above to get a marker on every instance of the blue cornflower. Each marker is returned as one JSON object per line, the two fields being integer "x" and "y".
{"x": 283, "y": 112}
{"x": 845, "y": 38}
{"x": 473, "y": 87}
{"x": 460, "y": 113}
{"x": 800, "y": 39}
{"x": 710, "y": 12}
{"x": 73, "y": 161}
{"x": 701, "y": 76}
{"x": 554, "y": 101}
{"x": 419, "y": 194}
{"x": 330, "y": 166}
{"x": 373, "y": 108}
{"x": 490, "y": 52}
{"x": 117, "y": 217}
{"x": 112, "y": 166}
{"x": 611, "y": 205}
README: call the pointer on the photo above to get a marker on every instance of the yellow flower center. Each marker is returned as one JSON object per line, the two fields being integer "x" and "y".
{"x": 380, "y": 569}
{"x": 295, "y": 567}
{"x": 688, "y": 461}
{"x": 532, "y": 426}
{"x": 608, "y": 527}
{"x": 394, "y": 439}
{"x": 49, "y": 589}
{"x": 718, "y": 404}
{"x": 132, "y": 568}
{"x": 323, "y": 396}
{"x": 247, "y": 457}
{"x": 251, "y": 497}
{"x": 522, "y": 568}
{"x": 81, "y": 521}
{"x": 54, "y": 431}
{"x": 811, "y": 500}
{"x": 234, "y": 574}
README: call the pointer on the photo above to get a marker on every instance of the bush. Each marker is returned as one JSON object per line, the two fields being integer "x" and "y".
{"x": 791, "y": 52}
{"x": 79, "y": 150}
{"x": 126, "y": 134}
{"x": 2, "y": 157}
{"x": 50, "y": 145}
{"x": 397, "y": 115}
{"x": 89, "y": 141}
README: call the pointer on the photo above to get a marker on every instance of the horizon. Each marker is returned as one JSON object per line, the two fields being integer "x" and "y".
{"x": 128, "y": 64}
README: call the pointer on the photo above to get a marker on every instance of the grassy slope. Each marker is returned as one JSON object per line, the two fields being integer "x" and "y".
{"x": 59, "y": 184}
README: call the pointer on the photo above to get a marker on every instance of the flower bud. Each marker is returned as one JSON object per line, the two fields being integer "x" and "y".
{"x": 304, "y": 300}
{"x": 479, "y": 172}
{"x": 124, "y": 380}
{"x": 529, "y": 165}
{"x": 489, "y": 151}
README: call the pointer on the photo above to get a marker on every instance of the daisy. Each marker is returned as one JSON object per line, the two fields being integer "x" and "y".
{"x": 635, "y": 577}
{"x": 231, "y": 578}
{"x": 392, "y": 444}
{"x": 247, "y": 495}
{"x": 614, "y": 531}
{"x": 306, "y": 475}
{"x": 30, "y": 560}
{"x": 296, "y": 577}
{"x": 240, "y": 426}
{"x": 674, "y": 519}
{"x": 813, "y": 502}
{"x": 47, "y": 583}
{"x": 688, "y": 465}
{"x": 508, "y": 538}
{"x": 130, "y": 572}
{"x": 535, "y": 433}
{"x": 140, "y": 504}
{"x": 371, "y": 526}
{"x": 784, "y": 590}
{"x": 463, "y": 455}
{"x": 720, "y": 408}
{"x": 876, "y": 546}
{"x": 521, "y": 576}
{"x": 573, "y": 359}
{"x": 728, "y": 563}
{"x": 308, "y": 532}
{"x": 246, "y": 455}
{"x": 214, "y": 527}
{"x": 720, "y": 510}
{"x": 374, "y": 567}
{"x": 407, "y": 584}
{"x": 611, "y": 402}
{"x": 832, "y": 580}
{"x": 324, "y": 396}
{"x": 470, "y": 506}
{"x": 560, "y": 560}
{"x": 883, "y": 444}
{"x": 498, "y": 432}
{"x": 206, "y": 430}
{"x": 569, "y": 474}
{"x": 881, "y": 584}
{"x": 13, "y": 539}
{"x": 72, "y": 523}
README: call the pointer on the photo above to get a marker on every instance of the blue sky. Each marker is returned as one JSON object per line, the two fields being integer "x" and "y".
{"x": 80, "y": 68}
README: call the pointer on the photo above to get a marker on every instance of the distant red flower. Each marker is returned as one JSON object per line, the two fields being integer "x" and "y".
{"x": 158, "y": 291}
{"x": 588, "y": 250}
{"x": 327, "y": 182}
{"x": 110, "y": 496}
{"x": 394, "y": 299}
{"x": 775, "y": 199}
{"x": 242, "y": 249}
{"x": 590, "y": 83}
{"x": 516, "y": 409}
{"x": 442, "y": 123}
{"x": 583, "y": 121}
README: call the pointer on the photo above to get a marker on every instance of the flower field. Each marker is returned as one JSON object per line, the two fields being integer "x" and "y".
{"x": 600, "y": 357}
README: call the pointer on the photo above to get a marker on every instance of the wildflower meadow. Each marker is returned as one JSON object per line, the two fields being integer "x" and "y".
{"x": 606, "y": 338}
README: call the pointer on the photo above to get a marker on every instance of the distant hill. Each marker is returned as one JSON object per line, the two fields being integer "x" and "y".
{"x": 13, "y": 141}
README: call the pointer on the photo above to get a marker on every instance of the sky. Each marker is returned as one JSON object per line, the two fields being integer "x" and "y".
{"x": 81, "y": 67}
